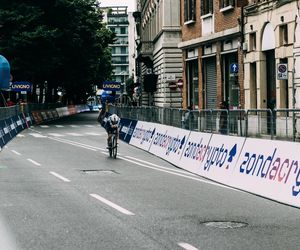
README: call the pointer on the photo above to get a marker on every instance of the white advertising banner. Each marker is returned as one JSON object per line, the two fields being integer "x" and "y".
{"x": 194, "y": 152}
{"x": 221, "y": 157}
{"x": 270, "y": 169}
{"x": 143, "y": 134}
{"x": 169, "y": 143}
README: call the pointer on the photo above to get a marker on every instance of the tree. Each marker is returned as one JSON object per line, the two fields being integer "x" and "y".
{"x": 61, "y": 42}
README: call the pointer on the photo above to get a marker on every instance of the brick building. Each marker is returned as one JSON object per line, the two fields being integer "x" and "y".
{"x": 212, "y": 53}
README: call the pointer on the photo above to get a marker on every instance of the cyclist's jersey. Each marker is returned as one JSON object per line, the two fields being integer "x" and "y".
{"x": 109, "y": 125}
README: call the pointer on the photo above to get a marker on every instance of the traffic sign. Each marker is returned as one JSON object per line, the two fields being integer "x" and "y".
{"x": 234, "y": 68}
{"x": 282, "y": 71}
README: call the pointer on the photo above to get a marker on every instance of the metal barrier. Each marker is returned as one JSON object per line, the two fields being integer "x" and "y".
{"x": 279, "y": 124}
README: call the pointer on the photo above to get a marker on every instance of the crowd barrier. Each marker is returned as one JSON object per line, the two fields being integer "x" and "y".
{"x": 11, "y": 126}
{"x": 266, "y": 168}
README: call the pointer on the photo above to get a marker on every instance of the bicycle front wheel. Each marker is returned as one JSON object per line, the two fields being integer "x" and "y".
{"x": 114, "y": 147}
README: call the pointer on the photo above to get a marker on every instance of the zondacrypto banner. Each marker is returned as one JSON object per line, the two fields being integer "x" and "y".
{"x": 267, "y": 168}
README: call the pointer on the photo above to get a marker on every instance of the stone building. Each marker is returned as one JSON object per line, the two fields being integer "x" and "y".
{"x": 158, "y": 59}
{"x": 212, "y": 53}
{"x": 272, "y": 60}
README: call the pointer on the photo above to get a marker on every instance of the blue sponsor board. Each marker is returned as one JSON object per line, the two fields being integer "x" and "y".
{"x": 111, "y": 86}
{"x": 127, "y": 127}
{"x": 21, "y": 86}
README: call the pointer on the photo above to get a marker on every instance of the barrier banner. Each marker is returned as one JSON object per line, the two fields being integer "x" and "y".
{"x": 127, "y": 127}
{"x": 194, "y": 152}
{"x": 271, "y": 169}
{"x": 221, "y": 157}
{"x": 169, "y": 143}
{"x": 12, "y": 123}
{"x": 143, "y": 134}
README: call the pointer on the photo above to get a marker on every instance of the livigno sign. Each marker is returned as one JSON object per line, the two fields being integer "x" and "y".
{"x": 111, "y": 86}
{"x": 21, "y": 86}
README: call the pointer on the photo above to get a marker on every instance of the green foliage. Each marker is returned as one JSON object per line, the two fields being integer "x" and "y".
{"x": 62, "y": 42}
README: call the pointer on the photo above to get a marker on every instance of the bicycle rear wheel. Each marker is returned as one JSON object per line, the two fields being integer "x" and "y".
{"x": 114, "y": 146}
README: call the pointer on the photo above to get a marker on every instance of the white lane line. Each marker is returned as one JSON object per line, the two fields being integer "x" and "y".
{"x": 17, "y": 153}
{"x": 59, "y": 176}
{"x": 59, "y": 126}
{"x": 111, "y": 204}
{"x": 90, "y": 133}
{"x": 55, "y": 134}
{"x": 37, "y": 135}
{"x": 75, "y": 144}
{"x": 187, "y": 246}
{"x": 155, "y": 165}
{"x": 181, "y": 175}
{"x": 74, "y": 126}
{"x": 34, "y": 162}
{"x": 19, "y": 135}
{"x": 44, "y": 126}
{"x": 74, "y": 134}
{"x": 90, "y": 126}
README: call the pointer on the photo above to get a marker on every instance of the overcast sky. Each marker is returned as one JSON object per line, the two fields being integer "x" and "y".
{"x": 130, "y": 3}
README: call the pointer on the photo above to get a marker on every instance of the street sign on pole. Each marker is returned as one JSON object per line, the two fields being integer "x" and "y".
{"x": 282, "y": 71}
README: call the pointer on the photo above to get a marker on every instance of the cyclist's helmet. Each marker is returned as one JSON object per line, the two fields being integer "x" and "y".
{"x": 114, "y": 119}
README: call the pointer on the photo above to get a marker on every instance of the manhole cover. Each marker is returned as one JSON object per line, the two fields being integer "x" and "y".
{"x": 225, "y": 224}
{"x": 99, "y": 171}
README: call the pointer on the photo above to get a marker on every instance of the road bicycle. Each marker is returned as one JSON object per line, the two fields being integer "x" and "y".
{"x": 113, "y": 146}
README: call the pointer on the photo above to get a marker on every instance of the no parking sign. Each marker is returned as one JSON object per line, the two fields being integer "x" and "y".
{"x": 282, "y": 71}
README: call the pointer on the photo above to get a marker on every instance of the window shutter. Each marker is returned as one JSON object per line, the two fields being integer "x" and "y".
{"x": 186, "y": 10}
{"x": 202, "y": 7}
{"x": 193, "y": 12}
{"x": 211, "y": 6}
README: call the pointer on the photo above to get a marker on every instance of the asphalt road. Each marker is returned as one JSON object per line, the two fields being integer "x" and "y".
{"x": 60, "y": 190}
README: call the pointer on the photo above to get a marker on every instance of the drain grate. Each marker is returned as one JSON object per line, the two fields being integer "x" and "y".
{"x": 99, "y": 171}
{"x": 225, "y": 224}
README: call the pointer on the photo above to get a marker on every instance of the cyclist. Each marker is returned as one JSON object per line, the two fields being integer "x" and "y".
{"x": 111, "y": 126}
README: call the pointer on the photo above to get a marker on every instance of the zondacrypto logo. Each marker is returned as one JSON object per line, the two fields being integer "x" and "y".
{"x": 170, "y": 143}
{"x": 144, "y": 135}
{"x": 218, "y": 156}
{"x": 272, "y": 168}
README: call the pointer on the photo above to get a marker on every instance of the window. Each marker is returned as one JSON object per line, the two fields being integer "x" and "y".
{"x": 226, "y": 3}
{"x": 253, "y": 86}
{"x": 252, "y": 42}
{"x": 123, "y": 30}
{"x": 206, "y": 7}
{"x": 189, "y": 10}
{"x": 283, "y": 34}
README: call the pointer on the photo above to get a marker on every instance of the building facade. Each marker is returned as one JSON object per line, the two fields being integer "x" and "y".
{"x": 272, "y": 53}
{"x": 159, "y": 60}
{"x": 117, "y": 21}
{"x": 212, "y": 53}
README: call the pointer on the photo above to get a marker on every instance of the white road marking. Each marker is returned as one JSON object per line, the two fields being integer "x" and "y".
{"x": 90, "y": 133}
{"x": 34, "y": 162}
{"x": 74, "y": 126}
{"x": 111, "y": 204}
{"x": 74, "y": 134}
{"x": 59, "y": 176}
{"x": 75, "y": 144}
{"x": 89, "y": 126}
{"x": 155, "y": 165}
{"x": 17, "y": 153}
{"x": 19, "y": 135}
{"x": 55, "y": 134}
{"x": 59, "y": 126}
{"x": 187, "y": 246}
{"x": 44, "y": 126}
{"x": 182, "y": 175}
{"x": 37, "y": 135}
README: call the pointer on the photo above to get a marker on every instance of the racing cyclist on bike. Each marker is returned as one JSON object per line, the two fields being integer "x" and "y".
{"x": 112, "y": 125}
